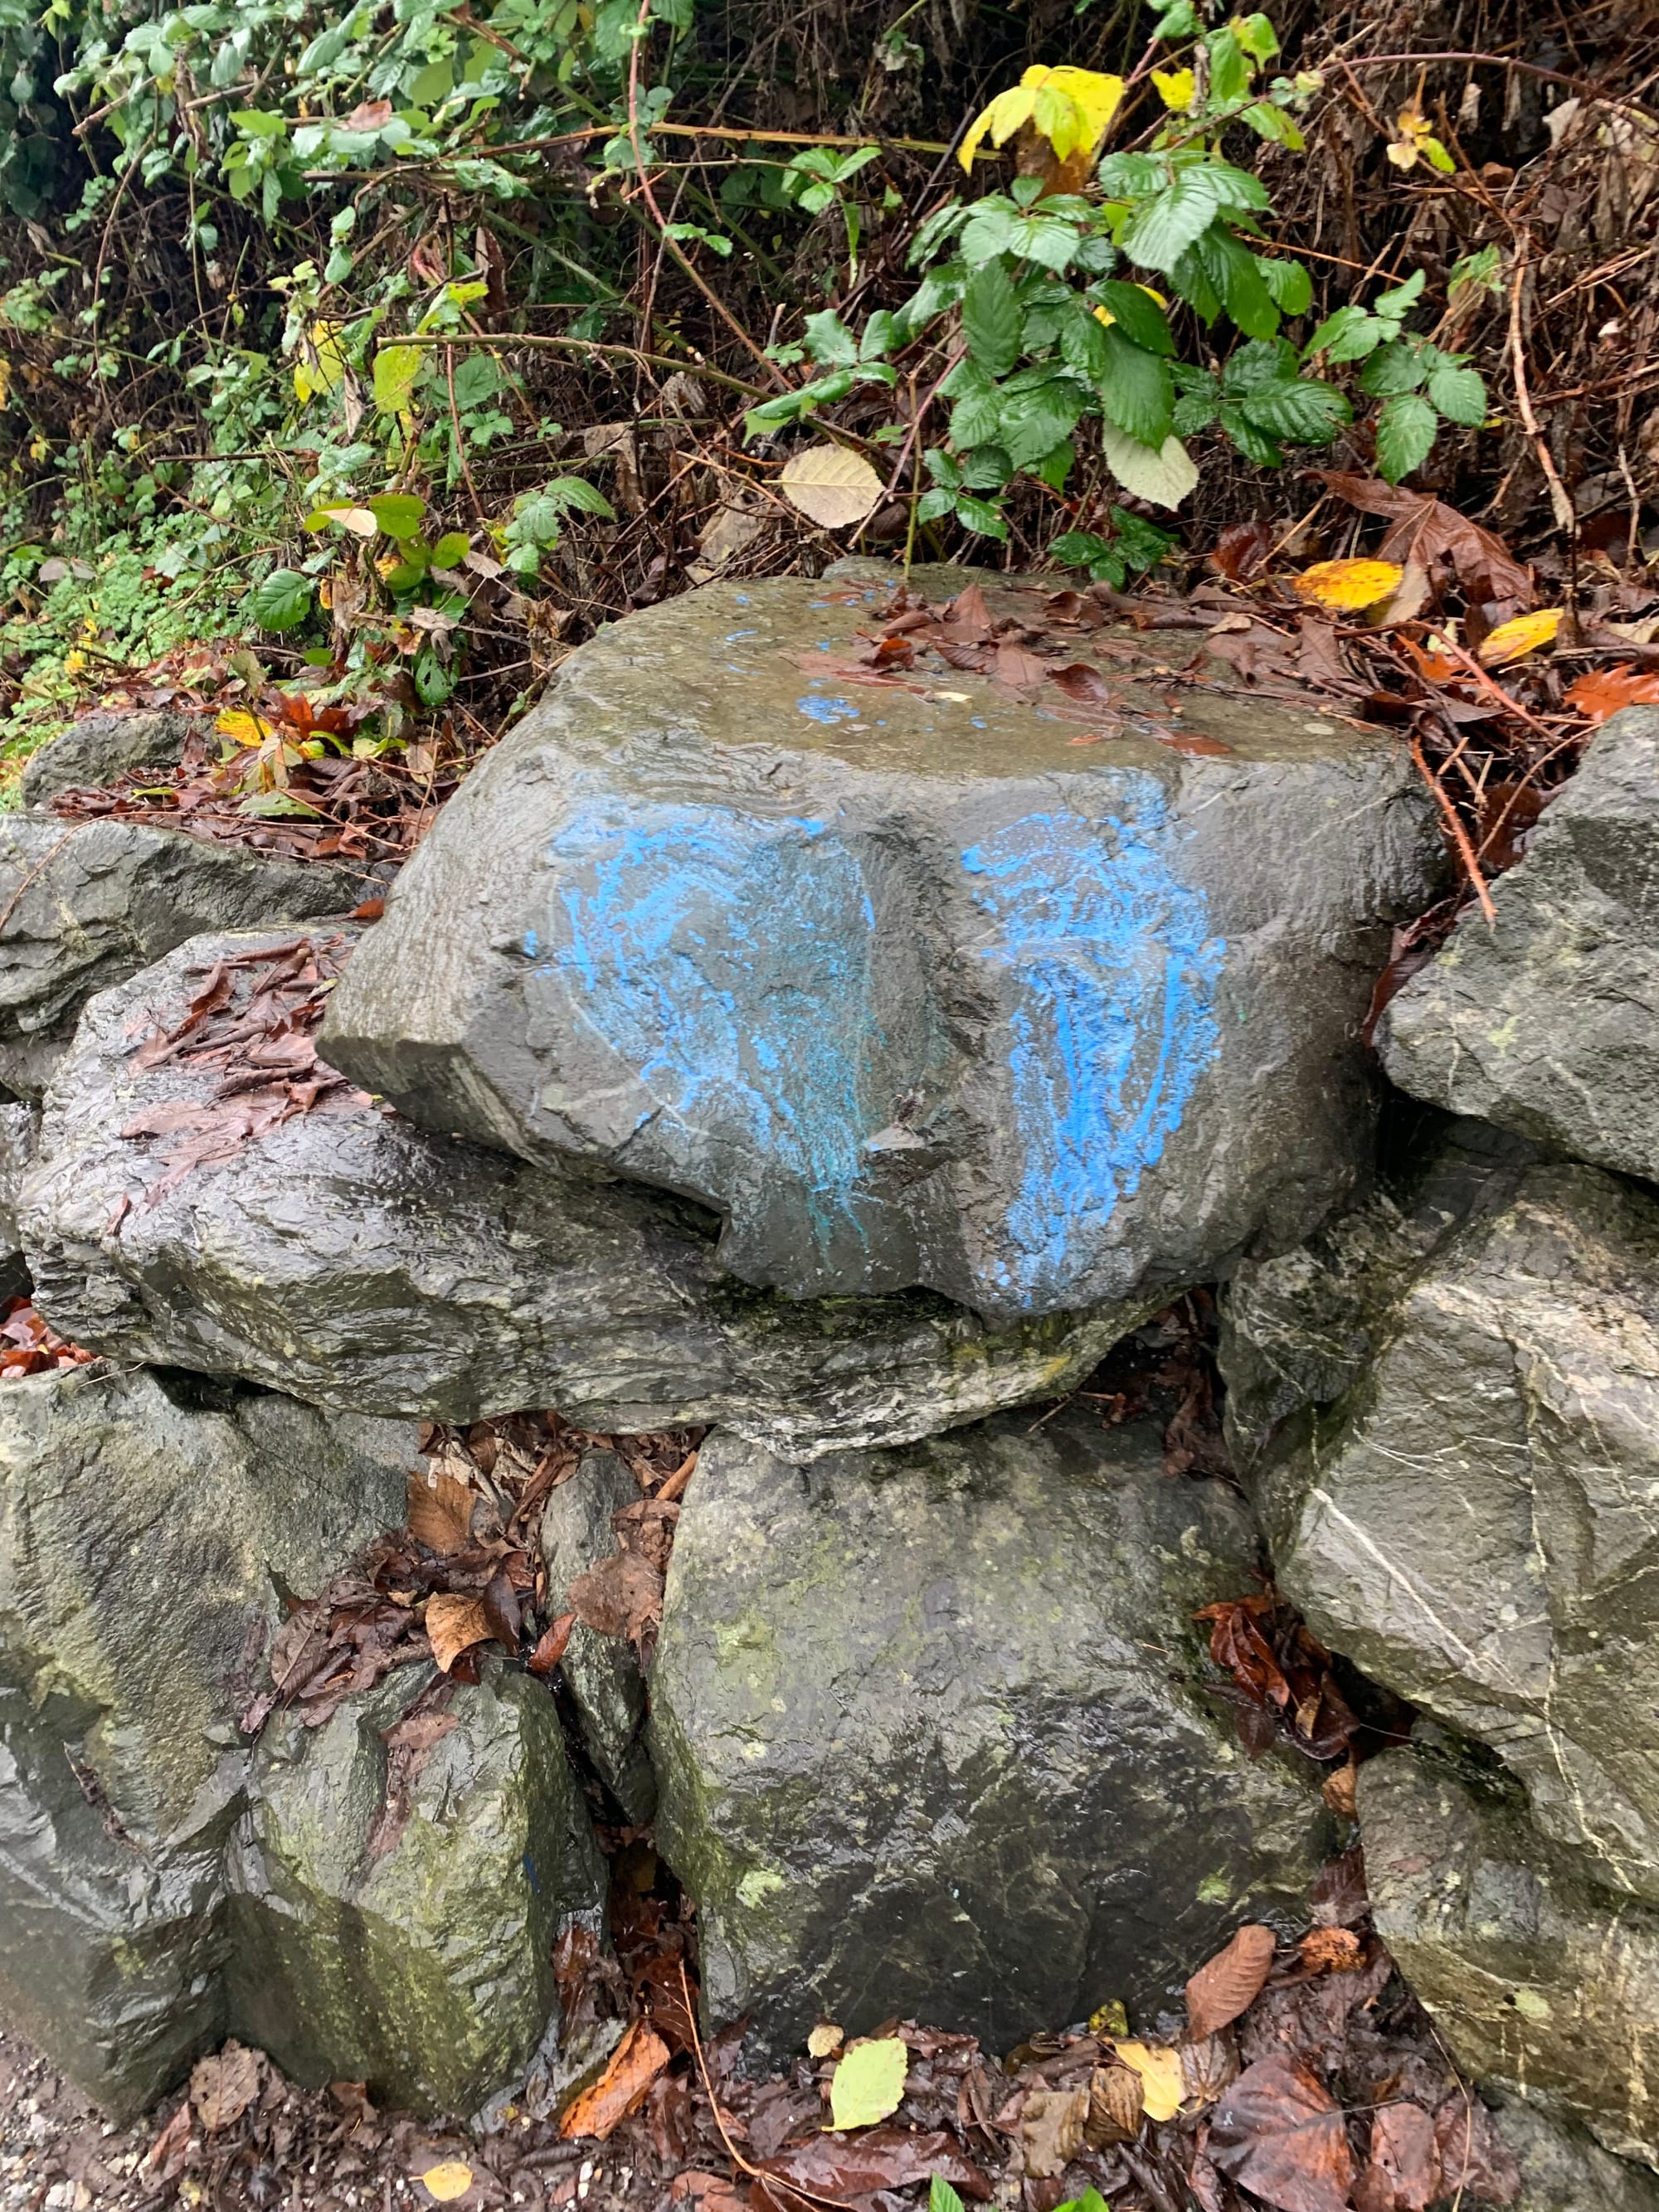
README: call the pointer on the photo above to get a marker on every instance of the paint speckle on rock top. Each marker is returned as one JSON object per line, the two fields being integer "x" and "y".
{"x": 735, "y": 963}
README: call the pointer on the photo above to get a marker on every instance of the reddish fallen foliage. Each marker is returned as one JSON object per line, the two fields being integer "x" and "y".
{"x": 29, "y": 1347}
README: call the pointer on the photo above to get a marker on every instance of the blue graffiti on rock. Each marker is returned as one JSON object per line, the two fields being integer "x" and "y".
{"x": 729, "y": 961}
{"x": 1106, "y": 969}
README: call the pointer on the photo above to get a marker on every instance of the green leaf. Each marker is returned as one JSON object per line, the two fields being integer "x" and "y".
{"x": 982, "y": 519}
{"x": 1162, "y": 231}
{"x": 1165, "y": 478}
{"x": 272, "y": 805}
{"x": 1230, "y": 69}
{"x": 1270, "y": 121}
{"x": 1304, "y": 412}
{"x": 936, "y": 502}
{"x": 987, "y": 468}
{"x": 992, "y": 229}
{"x": 281, "y": 601}
{"x": 1396, "y": 305}
{"x": 1032, "y": 420}
{"x": 1289, "y": 283}
{"x": 450, "y": 549}
{"x": 1405, "y": 436}
{"x": 398, "y": 512}
{"x": 1137, "y": 314}
{"x": 1460, "y": 393}
{"x": 1143, "y": 543}
{"x": 1180, "y": 21}
{"x": 1348, "y": 334}
{"x": 1235, "y": 276}
{"x": 975, "y": 416}
{"x": 1254, "y": 443}
{"x": 943, "y": 467}
{"x": 828, "y": 340}
{"x": 1262, "y": 362}
{"x": 1132, "y": 176}
{"x": 396, "y": 369}
{"x": 941, "y": 2198}
{"x": 991, "y": 320}
{"x": 1397, "y": 367}
{"x": 1255, "y": 34}
{"x": 878, "y": 338}
{"x": 1135, "y": 391}
{"x": 1083, "y": 345}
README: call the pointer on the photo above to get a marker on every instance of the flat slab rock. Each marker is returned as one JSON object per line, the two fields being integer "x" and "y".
{"x": 84, "y": 905}
{"x": 145, "y": 1534}
{"x": 1542, "y": 1986}
{"x": 1473, "y": 1515}
{"x": 1547, "y": 1022}
{"x": 922, "y": 1741}
{"x": 100, "y": 747}
{"x": 922, "y": 982}
{"x": 361, "y": 1262}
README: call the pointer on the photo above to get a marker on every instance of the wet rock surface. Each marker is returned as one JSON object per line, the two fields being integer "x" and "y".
{"x": 923, "y": 1739}
{"x": 1564, "y": 2170}
{"x": 100, "y": 747}
{"x": 361, "y": 1262}
{"x": 400, "y": 1889}
{"x": 1541, "y": 1984}
{"x": 144, "y": 1538}
{"x": 898, "y": 980}
{"x": 1548, "y": 1022}
{"x": 84, "y": 905}
{"x": 1473, "y": 1518}
{"x": 602, "y": 1672}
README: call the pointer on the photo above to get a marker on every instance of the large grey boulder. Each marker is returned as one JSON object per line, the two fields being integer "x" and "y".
{"x": 19, "y": 1131}
{"x": 361, "y": 1262}
{"x": 1473, "y": 1518}
{"x": 84, "y": 905}
{"x": 606, "y": 1686}
{"x": 900, "y": 981}
{"x": 100, "y": 747}
{"x": 927, "y": 1740}
{"x": 145, "y": 1539}
{"x": 1542, "y": 1984}
{"x": 411, "y": 1945}
{"x": 1564, "y": 2170}
{"x": 1547, "y": 1021}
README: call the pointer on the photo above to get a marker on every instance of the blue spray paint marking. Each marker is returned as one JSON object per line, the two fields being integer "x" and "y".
{"x": 730, "y": 961}
{"x": 1107, "y": 971}
{"x": 827, "y": 710}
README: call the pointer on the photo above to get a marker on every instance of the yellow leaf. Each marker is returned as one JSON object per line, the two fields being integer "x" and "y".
{"x": 868, "y": 2083}
{"x": 1524, "y": 635}
{"x": 833, "y": 487}
{"x": 5, "y": 381}
{"x": 447, "y": 2182}
{"x": 1071, "y": 108}
{"x": 1160, "y": 2075}
{"x": 1175, "y": 89}
{"x": 244, "y": 729}
{"x": 1349, "y": 584}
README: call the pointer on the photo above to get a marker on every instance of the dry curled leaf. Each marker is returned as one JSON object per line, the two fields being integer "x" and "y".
{"x": 1231, "y": 1982}
{"x": 831, "y": 486}
{"x": 439, "y": 1512}
{"x": 454, "y": 1624}
{"x": 634, "y": 2064}
{"x": 1051, "y": 2130}
{"x": 1116, "y": 2100}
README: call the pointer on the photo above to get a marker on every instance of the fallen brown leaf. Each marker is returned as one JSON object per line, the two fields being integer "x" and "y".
{"x": 1404, "y": 2157}
{"x": 1051, "y": 2128}
{"x": 223, "y": 2088}
{"x": 455, "y": 1624}
{"x": 1230, "y": 1982}
{"x": 1116, "y": 2104}
{"x": 635, "y": 2065}
{"x": 552, "y": 1644}
{"x": 1278, "y": 2134}
{"x": 439, "y": 1512}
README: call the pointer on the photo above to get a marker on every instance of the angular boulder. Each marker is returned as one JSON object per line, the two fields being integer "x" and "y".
{"x": 1564, "y": 2170}
{"x": 396, "y": 1907}
{"x": 84, "y": 905}
{"x": 606, "y": 1686}
{"x": 1542, "y": 1984}
{"x": 100, "y": 747}
{"x": 927, "y": 1740}
{"x": 146, "y": 1536}
{"x": 19, "y": 1131}
{"x": 1547, "y": 1021}
{"x": 913, "y": 983}
{"x": 1473, "y": 1518}
{"x": 361, "y": 1262}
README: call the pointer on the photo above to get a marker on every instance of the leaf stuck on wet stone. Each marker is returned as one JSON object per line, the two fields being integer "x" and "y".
{"x": 455, "y": 1624}
{"x": 1231, "y": 1981}
{"x": 868, "y": 2083}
